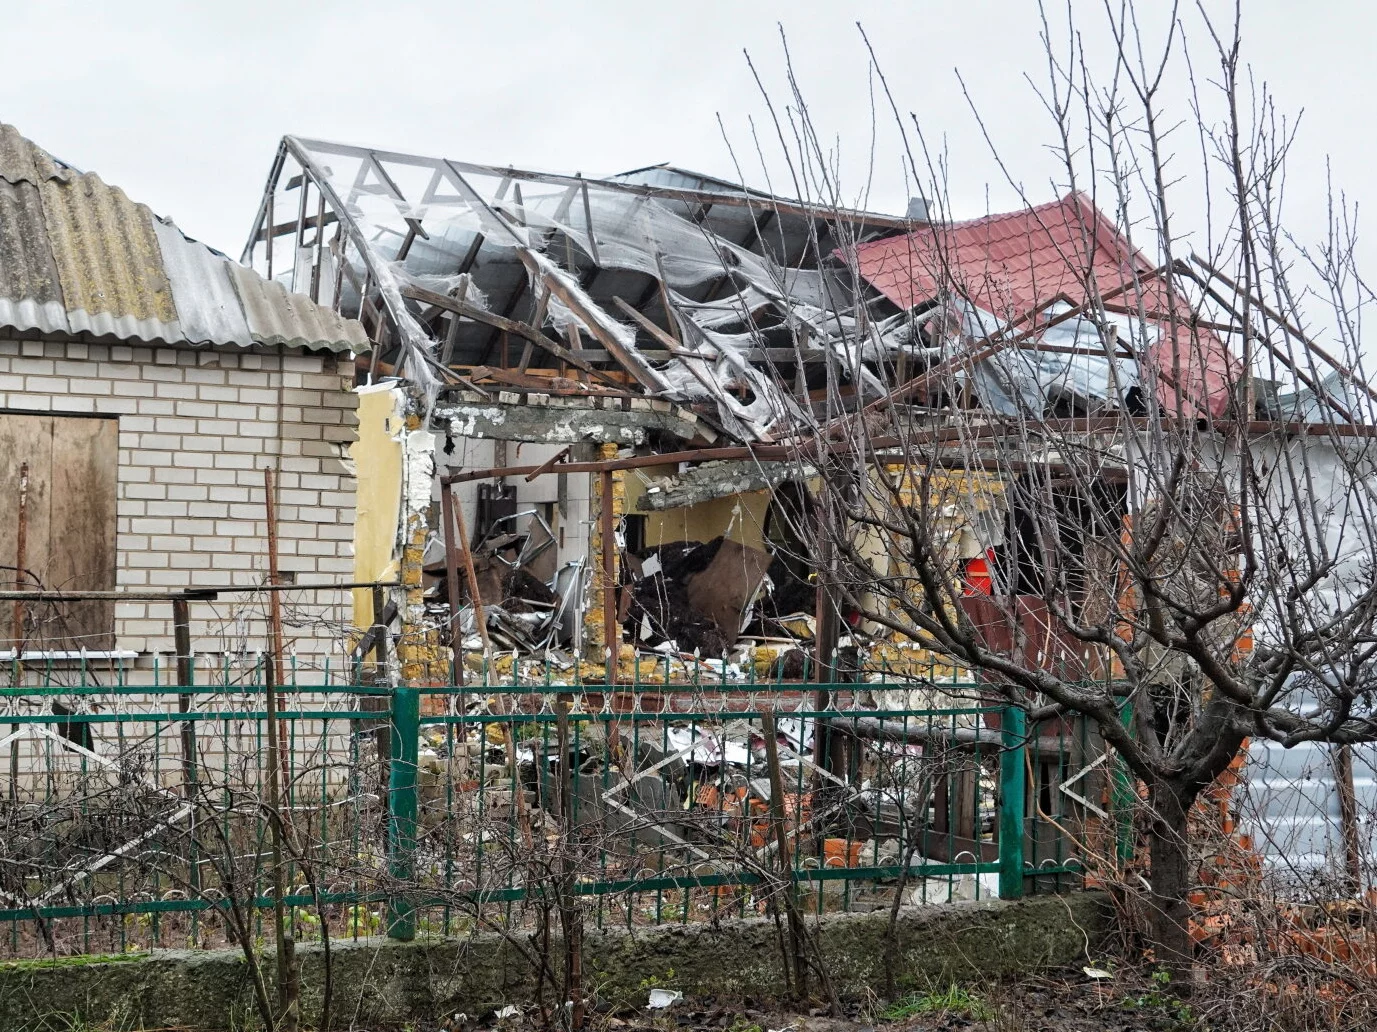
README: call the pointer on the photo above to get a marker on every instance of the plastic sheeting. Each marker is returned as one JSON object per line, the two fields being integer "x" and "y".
{"x": 1021, "y": 381}
{"x": 1028, "y": 382}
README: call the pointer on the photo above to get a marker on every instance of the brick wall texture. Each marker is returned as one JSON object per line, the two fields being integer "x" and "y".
{"x": 197, "y": 428}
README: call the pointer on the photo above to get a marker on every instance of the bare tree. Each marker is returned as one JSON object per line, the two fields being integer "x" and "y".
{"x": 1109, "y": 467}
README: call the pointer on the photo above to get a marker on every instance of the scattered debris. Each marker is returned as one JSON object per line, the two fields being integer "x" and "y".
{"x": 696, "y": 594}
{"x": 662, "y": 999}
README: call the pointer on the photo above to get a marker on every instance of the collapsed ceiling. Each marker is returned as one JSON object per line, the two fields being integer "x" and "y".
{"x": 761, "y": 319}
{"x": 683, "y": 287}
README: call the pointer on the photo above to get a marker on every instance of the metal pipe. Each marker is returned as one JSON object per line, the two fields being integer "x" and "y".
{"x": 611, "y": 639}
{"x": 197, "y": 594}
{"x": 278, "y": 780}
{"x": 456, "y": 636}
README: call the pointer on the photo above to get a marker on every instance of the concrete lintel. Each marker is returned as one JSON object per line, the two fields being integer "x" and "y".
{"x": 704, "y": 483}
{"x": 539, "y": 419}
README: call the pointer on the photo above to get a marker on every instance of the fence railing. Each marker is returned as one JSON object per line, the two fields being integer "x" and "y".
{"x": 133, "y": 815}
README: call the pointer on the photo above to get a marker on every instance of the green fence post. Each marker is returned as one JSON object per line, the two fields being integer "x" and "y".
{"x": 1123, "y": 793}
{"x": 401, "y": 809}
{"x": 1012, "y": 792}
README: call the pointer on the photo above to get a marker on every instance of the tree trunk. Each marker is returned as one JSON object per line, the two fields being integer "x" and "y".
{"x": 1171, "y": 879}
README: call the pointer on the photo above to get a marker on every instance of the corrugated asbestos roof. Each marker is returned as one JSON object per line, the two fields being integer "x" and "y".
{"x": 208, "y": 306}
{"x": 77, "y": 256}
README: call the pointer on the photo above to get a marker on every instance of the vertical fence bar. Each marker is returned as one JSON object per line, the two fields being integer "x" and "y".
{"x": 1012, "y": 792}
{"x": 401, "y": 808}
{"x": 1123, "y": 794}
{"x": 186, "y": 678}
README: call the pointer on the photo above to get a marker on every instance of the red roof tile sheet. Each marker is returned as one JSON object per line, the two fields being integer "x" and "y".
{"x": 1018, "y": 263}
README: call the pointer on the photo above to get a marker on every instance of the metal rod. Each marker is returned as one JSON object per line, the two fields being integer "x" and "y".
{"x": 809, "y": 452}
{"x": 20, "y": 576}
{"x": 610, "y": 637}
{"x": 1324, "y": 356}
{"x": 181, "y": 635}
{"x": 268, "y": 212}
{"x": 456, "y": 635}
{"x": 190, "y": 594}
{"x": 21, "y": 535}
{"x": 1281, "y": 356}
{"x": 461, "y": 536}
{"x": 277, "y": 778}
{"x": 275, "y": 613}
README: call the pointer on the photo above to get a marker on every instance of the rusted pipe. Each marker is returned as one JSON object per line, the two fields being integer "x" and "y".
{"x": 611, "y": 639}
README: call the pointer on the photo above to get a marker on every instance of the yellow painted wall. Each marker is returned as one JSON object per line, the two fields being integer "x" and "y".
{"x": 377, "y": 458}
{"x": 738, "y": 517}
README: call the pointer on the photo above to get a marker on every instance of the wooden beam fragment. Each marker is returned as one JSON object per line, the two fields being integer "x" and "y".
{"x": 469, "y": 311}
{"x": 634, "y": 364}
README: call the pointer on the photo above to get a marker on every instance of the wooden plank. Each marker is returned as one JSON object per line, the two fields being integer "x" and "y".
{"x": 81, "y": 551}
{"x": 25, "y": 439}
{"x": 633, "y": 362}
{"x": 70, "y": 538}
{"x": 468, "y": 311}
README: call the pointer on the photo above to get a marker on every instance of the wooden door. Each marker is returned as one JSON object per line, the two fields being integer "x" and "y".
{"x": 69, "y": 522}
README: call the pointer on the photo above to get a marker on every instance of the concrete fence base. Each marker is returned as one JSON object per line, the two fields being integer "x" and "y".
{"x": 380, "y": 984}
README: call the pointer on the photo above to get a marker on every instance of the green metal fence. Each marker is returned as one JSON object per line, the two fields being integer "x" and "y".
{"x": 133, "y": 815}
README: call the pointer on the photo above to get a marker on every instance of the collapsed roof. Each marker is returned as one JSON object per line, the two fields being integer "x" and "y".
{"x": 686, "y": 288}
{"x": 78, "y": 258}
{"x": 763, "y": 315}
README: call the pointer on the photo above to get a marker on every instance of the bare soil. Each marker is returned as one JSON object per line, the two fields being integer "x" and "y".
{"x": 1064, "y": 1001}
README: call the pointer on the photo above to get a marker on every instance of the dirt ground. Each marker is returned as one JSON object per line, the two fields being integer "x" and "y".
{"x": 1064, "y": 1001}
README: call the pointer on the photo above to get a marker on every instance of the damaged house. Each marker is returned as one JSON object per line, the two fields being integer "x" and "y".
{"x": 532, "y": 327}
{"x": 146, "y": 383}
{"x": 622, "y": 381}
{"x": 606, "y": 431}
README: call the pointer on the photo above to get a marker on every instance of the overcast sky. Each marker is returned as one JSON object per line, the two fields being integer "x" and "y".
{"x": 182, "y": 104}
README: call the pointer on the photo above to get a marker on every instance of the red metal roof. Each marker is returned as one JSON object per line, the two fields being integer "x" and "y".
{"x": 1016, "y": 264}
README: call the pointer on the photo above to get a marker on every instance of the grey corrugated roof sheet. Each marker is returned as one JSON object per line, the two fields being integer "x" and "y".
{"x": 79, "y": 257}
{"x": 208, "y": 306}
{"x": 30, "y": 298}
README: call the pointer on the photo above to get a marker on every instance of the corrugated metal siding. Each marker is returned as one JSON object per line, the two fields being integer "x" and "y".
{"x": 276, "y": 316}
{"x": 30, "y": 297}
{"x": 207, "y": 303}
{"x": 1290, "y": 805}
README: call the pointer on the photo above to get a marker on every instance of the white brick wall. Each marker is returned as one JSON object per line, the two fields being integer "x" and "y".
{"x": 197, "y": 427}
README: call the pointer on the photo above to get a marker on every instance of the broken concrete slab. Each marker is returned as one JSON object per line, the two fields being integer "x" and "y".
{"x": 512, "y": 417}
{"x": 713, "y": 480}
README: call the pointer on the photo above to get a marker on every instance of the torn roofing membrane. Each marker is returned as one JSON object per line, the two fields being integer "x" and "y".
{"x": 740, "y": 279}
{"x": 1036, "y": 263}
{"x": 571, "y": 253}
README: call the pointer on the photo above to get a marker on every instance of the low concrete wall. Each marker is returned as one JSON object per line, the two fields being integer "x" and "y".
{"x": 384, "y": 984}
